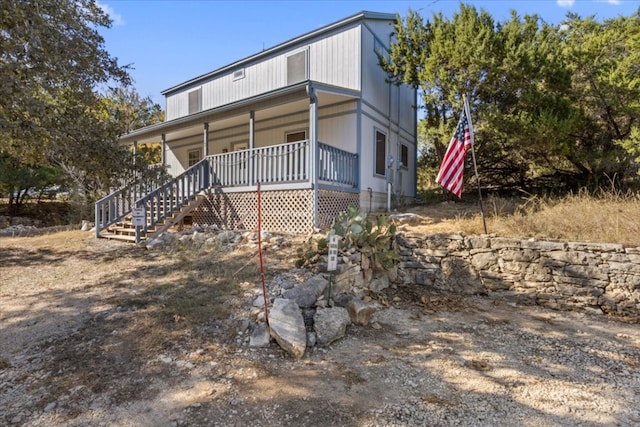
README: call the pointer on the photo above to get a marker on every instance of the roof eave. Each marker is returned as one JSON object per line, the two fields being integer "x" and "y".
{"x": 159, "y": 128}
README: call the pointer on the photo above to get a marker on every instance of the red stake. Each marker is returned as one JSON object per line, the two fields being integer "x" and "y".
{"x": 264, "y": 286}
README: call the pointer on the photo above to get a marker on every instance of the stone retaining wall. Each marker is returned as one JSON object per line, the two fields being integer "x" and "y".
{"x": 567, "y": 276}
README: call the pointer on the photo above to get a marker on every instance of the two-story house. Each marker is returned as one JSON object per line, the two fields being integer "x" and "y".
{"x": 311, "y": 122}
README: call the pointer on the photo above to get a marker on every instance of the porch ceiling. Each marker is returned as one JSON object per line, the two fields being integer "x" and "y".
{"x": 241, "y": 118}
{"x": 230, "y": 116}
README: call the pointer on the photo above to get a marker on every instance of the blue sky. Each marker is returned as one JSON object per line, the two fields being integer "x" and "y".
{"x": 168, "y": 42}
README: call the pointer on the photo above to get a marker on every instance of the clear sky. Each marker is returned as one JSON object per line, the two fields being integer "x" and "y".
{"x": 168, "y": 42}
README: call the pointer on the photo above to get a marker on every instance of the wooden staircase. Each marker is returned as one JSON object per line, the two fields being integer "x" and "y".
{"x": 124, "y": 230}
{"x": 165, "y": 205}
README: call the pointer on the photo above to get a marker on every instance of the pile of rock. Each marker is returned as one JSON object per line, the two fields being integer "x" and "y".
{"x": 301, "y": 313}
{"x": 318, "y": 310}
{"x": 18, "y": 226}
{"x": 212, "y": 236}
{"x": 304, "y": 315}
{"x": 6, "y": 221}
{"x": 19, "y": 230}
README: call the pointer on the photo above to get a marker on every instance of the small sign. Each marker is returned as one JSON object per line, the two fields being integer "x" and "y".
{"x": 139, "y": 216}
{"x": 332, "y": 262}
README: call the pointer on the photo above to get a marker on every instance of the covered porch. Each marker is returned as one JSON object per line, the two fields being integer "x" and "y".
{"x": 219, "y": 158}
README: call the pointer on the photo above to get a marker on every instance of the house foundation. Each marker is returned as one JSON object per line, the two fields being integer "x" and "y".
{"x": 284, "y": 211}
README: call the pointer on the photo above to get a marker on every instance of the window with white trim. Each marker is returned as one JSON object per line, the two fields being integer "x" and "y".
{"x": 194, "y": 156}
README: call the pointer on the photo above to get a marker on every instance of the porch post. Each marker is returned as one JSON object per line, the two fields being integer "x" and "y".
{"x": 163, "y": 154}
{"x": 251, "y": 161}
{"x": 313, "y": 150}
{"x": 205, "y": 152}
{"x": 135, "y": 151}
{"x": 135, "y": 163}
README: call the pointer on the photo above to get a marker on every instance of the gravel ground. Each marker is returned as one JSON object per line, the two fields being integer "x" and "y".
{"x": 66, "y": 358}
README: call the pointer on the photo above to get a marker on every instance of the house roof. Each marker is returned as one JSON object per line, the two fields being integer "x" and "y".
{"x": 282, "y": 46}
{"x": 203, "y": 116}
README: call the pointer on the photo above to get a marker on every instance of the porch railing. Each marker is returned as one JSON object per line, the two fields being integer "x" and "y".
{"x": 176, "y": 193}
{"x": 268, "y": 165}
{"x": 117, "y": 205}
{"x": 337, "y": 166}
{"x": 275, "y": 164}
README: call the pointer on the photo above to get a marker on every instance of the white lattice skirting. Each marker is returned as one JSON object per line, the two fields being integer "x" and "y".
{"x": 284, "y": 211}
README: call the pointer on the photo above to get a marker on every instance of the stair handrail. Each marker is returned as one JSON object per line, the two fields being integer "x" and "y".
{"x": 117, "y": 205}
{"x": 174, "y": 194}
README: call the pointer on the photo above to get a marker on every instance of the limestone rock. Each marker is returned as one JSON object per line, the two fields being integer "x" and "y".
{"x": 155, "y": 244}
{"x": 260, "y": 336}
{"x": 379, "y": 283}
{"x": 342, "y": 300}
{"x": 306, "y": 294}
{"x": 198, "y": 237}
{"x": 331, "y": 324}
{"x": 360, "y": 312}
{"x": 259, "y": 301}
{"x": 346, "y": 279}
{"x": 226, "y": 236}
{"x": 311, "y": 339}
{"x": 287, "y": 327}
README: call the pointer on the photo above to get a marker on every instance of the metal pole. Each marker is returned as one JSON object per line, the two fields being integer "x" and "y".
{"x": 473, "y": 156}
{"x": 264, "y": 286}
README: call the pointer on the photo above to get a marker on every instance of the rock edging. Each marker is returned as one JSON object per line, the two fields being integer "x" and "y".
{"x": 593, "y": 277}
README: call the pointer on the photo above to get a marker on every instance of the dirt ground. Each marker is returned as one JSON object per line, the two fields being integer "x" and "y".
{"x": 100, "y": 333}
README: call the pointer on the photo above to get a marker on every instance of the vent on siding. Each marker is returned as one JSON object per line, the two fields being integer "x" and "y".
{"x": 195, "y": 101}
{"x": 297, "y": 67}
{"x": 238, "y": 74}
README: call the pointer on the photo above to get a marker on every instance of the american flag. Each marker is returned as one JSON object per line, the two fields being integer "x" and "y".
{"x": 452, "y": 167}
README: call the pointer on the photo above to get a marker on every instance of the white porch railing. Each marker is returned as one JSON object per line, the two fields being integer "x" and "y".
{"x": 275, "y": 164}
{"x": 268, "y": 165}
{"x": 283, "y": 163}
{"x": 337, "y": 166}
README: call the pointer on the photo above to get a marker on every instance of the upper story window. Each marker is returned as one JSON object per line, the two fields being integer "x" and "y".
{"x": 297, "y": 67}
{"x": 195, "y": 101}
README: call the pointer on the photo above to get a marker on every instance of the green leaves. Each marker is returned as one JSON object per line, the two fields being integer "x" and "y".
{"x": 56, "y": 107}
{"x": 372, "y": 240}
{"x": 547, "y": 102}
{"x": 52, "y": 60}
{"x": 631, "y": 145}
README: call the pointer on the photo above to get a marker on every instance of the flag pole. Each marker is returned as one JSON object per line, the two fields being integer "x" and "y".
{"x": 473, "y": 156}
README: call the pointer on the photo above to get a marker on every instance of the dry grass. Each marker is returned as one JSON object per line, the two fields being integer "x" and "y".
{"x": 64, "y": 240}
{"x": 606, "y": 218}
{"x": 197, "y": 288}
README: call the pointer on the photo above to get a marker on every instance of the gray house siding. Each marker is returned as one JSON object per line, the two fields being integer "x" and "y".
{"x": 333, "y": 60}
